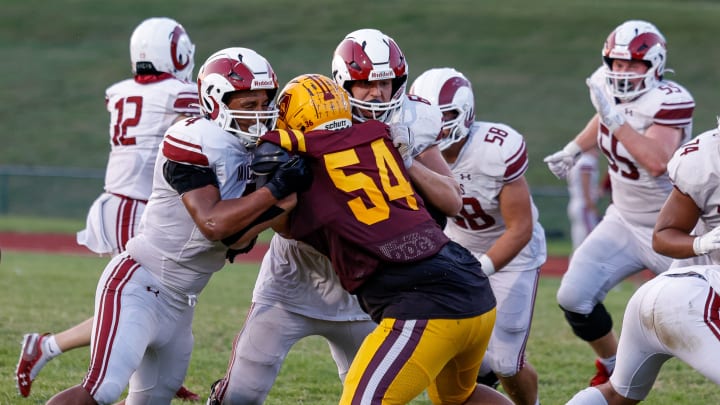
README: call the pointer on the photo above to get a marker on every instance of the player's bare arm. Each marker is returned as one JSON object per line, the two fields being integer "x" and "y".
{"x": 517, "y": 214}
{"x": 217, "y": 219}
{"x": 671, "y": 236}
{"x": 433, "y": 178}
{"x": 652, "y": 150}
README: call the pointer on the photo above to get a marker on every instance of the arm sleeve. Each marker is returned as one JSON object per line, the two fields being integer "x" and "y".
{"x": 183, "y": 178}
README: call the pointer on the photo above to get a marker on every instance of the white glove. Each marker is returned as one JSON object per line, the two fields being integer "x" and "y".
{"x": 402, "y": 138}
{"x": 562, "y": 161}
{"x": 707, "y": 243}
{"x": 610, "y": 116}
{"x": 487, "y": 265}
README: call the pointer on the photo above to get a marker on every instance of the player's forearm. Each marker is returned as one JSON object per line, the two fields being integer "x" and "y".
{"x": 651, "y": 150}
{"x": 673, "y": 243}
{"x": 442, "y": 192}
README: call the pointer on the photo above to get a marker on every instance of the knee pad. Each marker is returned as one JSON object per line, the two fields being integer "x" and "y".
{"x": 592, "y": 326}
{"x": 588, "y": 396}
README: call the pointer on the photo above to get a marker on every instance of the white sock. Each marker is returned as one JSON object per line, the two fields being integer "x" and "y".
{"x": 609, "y": 363}
{"x": 588, "y": 396}
{"x": 50, "y": 347}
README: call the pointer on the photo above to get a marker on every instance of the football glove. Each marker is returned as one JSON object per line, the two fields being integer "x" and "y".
{"x": 610, "y": 116}
{"x": 707, "y": 243}
{"x": 290, "y": 177}
{"x": 402, "y": 138}
{"x": 562, "y": 161}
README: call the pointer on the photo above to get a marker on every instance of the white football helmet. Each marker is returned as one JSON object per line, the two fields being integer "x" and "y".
{"x": 451, "y": 91}
{"x": 368, "y": 54}
{"x": 634, "y": 40}
{"x": 161, "y": 44}
{"x": 234, "y": 69}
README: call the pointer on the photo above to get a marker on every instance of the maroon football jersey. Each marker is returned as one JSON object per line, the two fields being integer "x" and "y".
{"x": 361, "y": 209}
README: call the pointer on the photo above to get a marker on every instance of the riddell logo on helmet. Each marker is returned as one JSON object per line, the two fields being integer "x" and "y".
{"x": 262, "y": 83}
{"x": 381, "y": 75}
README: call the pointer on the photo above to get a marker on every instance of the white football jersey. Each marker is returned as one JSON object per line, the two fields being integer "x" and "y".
{"x": 423, "y": 119}
{"x": 139, "y": 115}
{"x": 169, "y": 244}
{"x": 494, "y": 154}
{"x": 637, "y": 195}
{"x": 296, "y": 277}
{"x": 695, "y": 171}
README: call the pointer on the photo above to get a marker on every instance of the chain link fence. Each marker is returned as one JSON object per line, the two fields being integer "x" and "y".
{"x": 67, "y": 192}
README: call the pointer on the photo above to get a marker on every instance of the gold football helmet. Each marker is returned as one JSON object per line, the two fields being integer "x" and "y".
{"x": 313, "y": 101}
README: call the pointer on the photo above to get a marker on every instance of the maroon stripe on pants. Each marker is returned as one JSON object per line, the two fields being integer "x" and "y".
{"x": 712, "y": 312}
{"x": 106, "y": 322}
{"x": 125, "y": 222}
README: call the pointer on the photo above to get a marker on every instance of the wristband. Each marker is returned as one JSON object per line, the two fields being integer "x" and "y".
{"x": 487, "y": 265}
{"x": 572, "y": 149}
{"x": 697, "y": 248}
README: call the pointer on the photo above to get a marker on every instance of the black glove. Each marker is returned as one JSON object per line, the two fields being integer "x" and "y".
{"x": 231, "y": 253}
{"x": 290, "y": 177}
{"x": 267, "y": 158}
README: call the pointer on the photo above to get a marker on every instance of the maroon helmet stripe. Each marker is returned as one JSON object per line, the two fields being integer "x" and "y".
{"x": 174, "y": 39}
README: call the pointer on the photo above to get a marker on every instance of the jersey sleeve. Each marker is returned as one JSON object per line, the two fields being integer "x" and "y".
{"x": 186, "y": 101}
{"x": 513, "y": 150}
{"x": 676, "y": 109}
{"x": 180, "y": 147}
{"x": 688, "y": 168}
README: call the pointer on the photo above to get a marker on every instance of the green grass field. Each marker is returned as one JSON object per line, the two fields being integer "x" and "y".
{"x": 56, "y": 291}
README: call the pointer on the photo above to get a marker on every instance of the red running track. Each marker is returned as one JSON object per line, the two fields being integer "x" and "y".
{"x": 66, "y": 244}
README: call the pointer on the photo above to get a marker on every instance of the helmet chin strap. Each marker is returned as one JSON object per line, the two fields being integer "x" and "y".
{"x": 258, "y": 129}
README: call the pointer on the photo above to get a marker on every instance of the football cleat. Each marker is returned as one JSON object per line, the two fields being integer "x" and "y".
{"x": 214, "y": 399}
{"x": 32, "y": 359}
{"x": 490, "y": 379}
{"x": 602, "y": 375}
{"x": 186, "y": 395}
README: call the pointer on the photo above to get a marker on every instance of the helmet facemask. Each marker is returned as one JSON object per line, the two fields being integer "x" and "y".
{"x": 263, "y": 121}
{"x": 628, "y": 86}
{"x": 381, "y": 111}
